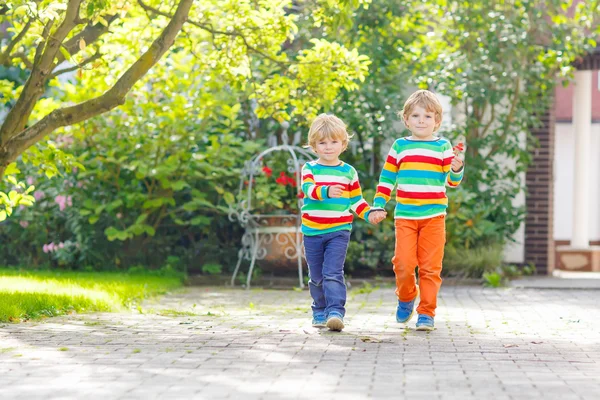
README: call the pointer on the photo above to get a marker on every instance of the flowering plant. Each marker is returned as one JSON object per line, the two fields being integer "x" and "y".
{"x": 275, "y": 190}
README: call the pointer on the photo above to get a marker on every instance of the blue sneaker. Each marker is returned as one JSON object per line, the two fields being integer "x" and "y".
{"x": 335, "y": 321}
{"x": 319, "y": 321}
{"x": 425, "y": 323}
{"x": 405, "y": 311}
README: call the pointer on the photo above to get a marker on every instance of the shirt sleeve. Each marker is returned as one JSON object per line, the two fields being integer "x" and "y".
{"x": 309, "y": 187}
{"x": 453, "y": 179}
{"x": 387, "y": 179}
{"x": 357, "y": 202}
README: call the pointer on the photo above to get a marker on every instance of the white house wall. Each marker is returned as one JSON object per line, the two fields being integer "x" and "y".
{"x": 563, "y": 182}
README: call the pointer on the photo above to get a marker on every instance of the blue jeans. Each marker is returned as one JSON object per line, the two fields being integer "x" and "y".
{"x": 325, "y": 255}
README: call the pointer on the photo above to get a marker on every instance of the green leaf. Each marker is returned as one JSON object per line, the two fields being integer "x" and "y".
{"x": 179, "y": 185}
{"x": 12, "y": 169}
{"x": 114, "y": 204}
{"x": 141, "y": 218}
{"x": 200, "y": 220}
{"x": 65, "y": 53}
{"x": 229, "y": 198}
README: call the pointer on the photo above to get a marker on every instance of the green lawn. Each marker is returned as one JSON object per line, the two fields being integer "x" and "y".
{"x": 34, "y": 294}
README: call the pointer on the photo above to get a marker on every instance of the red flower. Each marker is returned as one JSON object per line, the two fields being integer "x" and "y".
{"x": 301, "y": 195}
{"x": 268, "y": 171}
{"x": 292, "y": 181}
{"x": 282, "y": 180}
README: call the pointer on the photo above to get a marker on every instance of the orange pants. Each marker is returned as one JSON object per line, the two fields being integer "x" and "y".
{"x": 419, "y": 243}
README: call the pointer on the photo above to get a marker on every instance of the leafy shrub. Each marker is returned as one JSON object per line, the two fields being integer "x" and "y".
{"x": 471, "y": 262}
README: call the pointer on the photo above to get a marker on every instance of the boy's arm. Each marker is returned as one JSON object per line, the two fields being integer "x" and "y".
{"x": 358, "y": 204}
{"x": 309, "y": 188}
{"x": 387, "y": 179}
{"x": 453, "y": 178}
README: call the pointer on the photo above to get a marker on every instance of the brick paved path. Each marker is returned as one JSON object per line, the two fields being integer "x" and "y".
{"x": 209, "y": 343}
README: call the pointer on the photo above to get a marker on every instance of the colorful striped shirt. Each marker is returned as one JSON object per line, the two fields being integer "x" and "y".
{"x": 420, "y": 171}
{"x": 322, "y": 214}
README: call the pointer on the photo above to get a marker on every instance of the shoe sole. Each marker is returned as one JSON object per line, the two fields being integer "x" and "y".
{"x": 425, "y": 328}
{"x": 323, "y": 325}
{"x": 335, "y": 324}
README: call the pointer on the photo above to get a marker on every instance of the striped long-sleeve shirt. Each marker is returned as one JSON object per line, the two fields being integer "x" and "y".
{"x": 420, "y": 171}
{"x": 322, "y": 214}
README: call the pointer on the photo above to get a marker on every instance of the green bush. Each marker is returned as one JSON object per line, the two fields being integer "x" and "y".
{"x": 212, "y": 269}
{"x": 472, "y": 262}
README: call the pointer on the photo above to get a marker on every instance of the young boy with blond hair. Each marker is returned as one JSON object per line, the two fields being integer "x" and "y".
{"x": 331, "y": 189}
{"x": 420, "y": 166}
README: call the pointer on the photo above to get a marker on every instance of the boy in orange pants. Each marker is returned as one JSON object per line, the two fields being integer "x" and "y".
{"x": 420, "y": 167}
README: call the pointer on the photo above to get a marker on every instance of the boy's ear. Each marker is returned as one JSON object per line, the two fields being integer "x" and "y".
{"x": 404, "y": 120}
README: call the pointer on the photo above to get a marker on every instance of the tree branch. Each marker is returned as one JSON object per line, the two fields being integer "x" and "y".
{"x": 42, "y": 66}
{"x": 114, "y": 97}
{"x": 5, "y": 57}
{"x": 76, "y": 67}
{"x": 90, "y": 34}
{"x": 490, "y": 122}
{"x": 211, "y": 30}
{"x": 509, "y": 117}
{"x": 23, "y": 57}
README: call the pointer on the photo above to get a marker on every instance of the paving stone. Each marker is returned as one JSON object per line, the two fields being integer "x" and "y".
{"x": 488, "y": 344}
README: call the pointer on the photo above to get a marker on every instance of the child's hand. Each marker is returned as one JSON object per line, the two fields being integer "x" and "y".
{"x": 457, "y": 162}
{"x": 335, "y": 191}
{"x": 376, "y": 217}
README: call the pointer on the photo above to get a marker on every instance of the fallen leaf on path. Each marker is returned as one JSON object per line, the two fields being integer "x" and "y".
{"x": 368, "y": 339}
{"x": 510, "y": 345}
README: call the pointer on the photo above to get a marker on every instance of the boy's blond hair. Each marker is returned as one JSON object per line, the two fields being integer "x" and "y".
{"x": 425, "y": 99}
{"x": 327, "y": 126}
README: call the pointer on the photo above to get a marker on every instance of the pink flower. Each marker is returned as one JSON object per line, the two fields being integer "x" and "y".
{"x": 61, "y": 245}
{"x": 30, "y": 180}
{"x": 38, "y": 195}
{"x": 49, "y": 248}
{"x": 24, "y": 224}
{"x": 119, "y": 215}
{"x": 63, "y": 201}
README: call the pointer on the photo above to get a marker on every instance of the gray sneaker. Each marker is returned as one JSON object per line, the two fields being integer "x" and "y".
{"x": 335, "y": 321}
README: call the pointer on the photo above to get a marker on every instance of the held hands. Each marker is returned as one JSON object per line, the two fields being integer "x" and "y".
{"x": 335, "y": 191}
{"x": 457, "y": 162}
{"x": 376, "y": 217}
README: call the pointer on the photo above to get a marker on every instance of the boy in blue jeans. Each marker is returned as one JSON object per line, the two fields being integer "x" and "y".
{"x": 331, "y": 189}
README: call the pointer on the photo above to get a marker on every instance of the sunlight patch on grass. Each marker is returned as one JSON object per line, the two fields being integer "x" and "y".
{"x": 34, "y": 294}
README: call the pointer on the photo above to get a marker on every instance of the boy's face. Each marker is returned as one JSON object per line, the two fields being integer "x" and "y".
{"x": 421, "y": 123}
{"x": 329, "y": 150}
